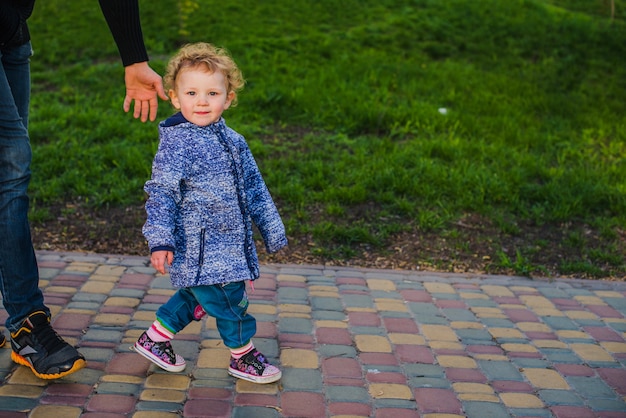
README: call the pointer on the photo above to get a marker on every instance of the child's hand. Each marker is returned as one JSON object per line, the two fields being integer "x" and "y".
{"x": 159, "y": 258}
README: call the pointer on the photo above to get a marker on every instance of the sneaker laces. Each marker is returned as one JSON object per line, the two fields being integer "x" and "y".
{"x": 47, "y": 336}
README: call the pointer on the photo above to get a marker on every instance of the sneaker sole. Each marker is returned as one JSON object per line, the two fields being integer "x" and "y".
{"x": 255, "y": 379}
{"x": 78, "y": 364}
{"x": 165, "y": 366}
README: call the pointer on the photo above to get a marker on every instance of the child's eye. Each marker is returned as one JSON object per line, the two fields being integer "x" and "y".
{"x": 213, "y": 93}
{"x": 191, "y": 93}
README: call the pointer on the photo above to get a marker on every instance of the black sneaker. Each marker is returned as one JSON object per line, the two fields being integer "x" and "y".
{"x": 3, "y": 340}
{"x": 37, "y": 345}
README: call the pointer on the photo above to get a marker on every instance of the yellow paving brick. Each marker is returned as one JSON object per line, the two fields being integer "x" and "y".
{"x": 55, "y": 411}
{"x": 485, "y": 312}
{"x": 258, "y": 308}
{"x": 290, "y": 278}
{"x": 212, "y": 358}
{"x": 580, "y": 315}
{"x": 144, "y": 316}
{"x": 103, "y": 279}
{"x": 98, "y": 287}
{"x": 213, "y": 343}
{"x": 328, "y": 289}
{"x": 122, "y": 378}
{"x": 435, "y": 287}
{"x": 117, "y": 271}
{"x": 521, "y": 400}
{"x": 460, "y": 362}
{"x": 464, "y": 387}
{"x": 591, "y": 352}
{"x": 438, "y": 333}
{"x": 501, "y": 291}
{"x": 331, "y": 324}
{"x": 447, "y": 345}
{"x": 505, "y": 333}
{"x": 194, "y": 328}
{"x": 293, "y": 307}
{"x": 299, "y": 358}
{"x": 162, "y": 395}
{"x": 323, "y": 293}
{"x": 548, "y": 312}
{"x": 81, "y": 267}
{"x": 372, "y": 344}
{"x": 589, "y": 300}
{"x": 111, "y": 319}
{"x": 570, "y": 334}
{"x": 359, "y": 309}
{"x": 549, "y": 344}
{"x": 466, "y": 325}
{"x": 161, "y": 292}
{"x": 608, "y": 294}
{"x": 390, "y": 391}
{"x": 614, "y": 347}
{"x": 121, "y": 301}
{"x": 243, "y": 386}
{"x": 78, "y": 312}
{"x": 392, "y": 305}
{"x": 533, "y": 327}
{"x": 155, "y": 414}
{"x": 535, "y": 301}
{"x": 210, "y": 322}
{"x": 478, "y": 397}
{"x": 293, "y": 315}
{"x": 61, "y": 289}
{"x": 24, "y": 376}
{"x": 491, "y": 357}
{"x": 402, "y": 338}
{"x": 518, "y": 348}
{"x": 21, "y": 391}
{"x": 545, "y": 379}
{"x": 524, "y": 289}
{"x": 381, "y": 284}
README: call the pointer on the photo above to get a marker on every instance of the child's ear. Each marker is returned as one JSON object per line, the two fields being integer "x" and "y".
{"x": 229, "y": 99}
{"x": 174, "y": 98}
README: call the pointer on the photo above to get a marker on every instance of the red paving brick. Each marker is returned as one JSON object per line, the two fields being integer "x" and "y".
{"x": 71, "y": 321}
{"x": 574, "y": 370}
{"x": 111, "y": 403}
{"x": 465, "y": 375}
{"x": 396, "y": 413}
{"x": 603, "y": 334}
{"x": 572, "y": 412}
{"x": 363, "y": 319}
{"x": 341, "y": 367}
{"x": 201, "y": 408}
{"x": 255, "y": 399}
{"x": 408, "y": 353}
{"x": 128, "y": 363}
{"x": 303, "y": 404}
{"x": 333, "y": 336}
{"x": 615, "y": 378}
{"x": 437, "y": 400}
{"x": 209, "y": 393}
{"x": 401, "y": 325}
{"x": 346, "y": 408}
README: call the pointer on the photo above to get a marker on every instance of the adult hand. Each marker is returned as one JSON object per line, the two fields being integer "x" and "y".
{"x": 160, "y": 258}
{"x": 143, "y": 85}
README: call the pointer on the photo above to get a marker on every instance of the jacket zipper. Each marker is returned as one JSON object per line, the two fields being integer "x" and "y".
{"x": 201, "y": 255}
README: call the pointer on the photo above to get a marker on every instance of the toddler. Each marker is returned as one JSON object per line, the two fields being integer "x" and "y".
{"x": 204, "y": 194}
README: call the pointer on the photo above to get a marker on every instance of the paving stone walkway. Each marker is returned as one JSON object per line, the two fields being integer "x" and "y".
{"x": 350, "y": 342}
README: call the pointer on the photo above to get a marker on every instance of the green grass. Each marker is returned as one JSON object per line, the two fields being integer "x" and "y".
{"x": 341, "y": 112}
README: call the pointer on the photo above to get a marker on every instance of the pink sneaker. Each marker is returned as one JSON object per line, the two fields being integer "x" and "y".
{"x": 160, "y": 353}
{"x": 253, "y": 367}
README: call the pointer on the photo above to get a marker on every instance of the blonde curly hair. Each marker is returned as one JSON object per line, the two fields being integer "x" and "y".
{"x": 213, "y": 58}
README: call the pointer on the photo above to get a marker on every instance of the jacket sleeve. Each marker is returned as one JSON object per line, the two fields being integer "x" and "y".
{"x": 260, "y": 204}
{"x": 164, "y": 193}
{"x": 124, "y": 22}
{"x": 13, "y": 26}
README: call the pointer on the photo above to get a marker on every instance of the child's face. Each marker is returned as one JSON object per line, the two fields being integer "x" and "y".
{"x": 200, "y": 95}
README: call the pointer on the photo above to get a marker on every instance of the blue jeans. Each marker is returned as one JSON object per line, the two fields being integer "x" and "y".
{"x": 228, "y": 304}
{"x": 19, "y": 275}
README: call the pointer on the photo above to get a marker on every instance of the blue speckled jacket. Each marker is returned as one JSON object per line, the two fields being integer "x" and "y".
{"x": 204, "y": 194}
